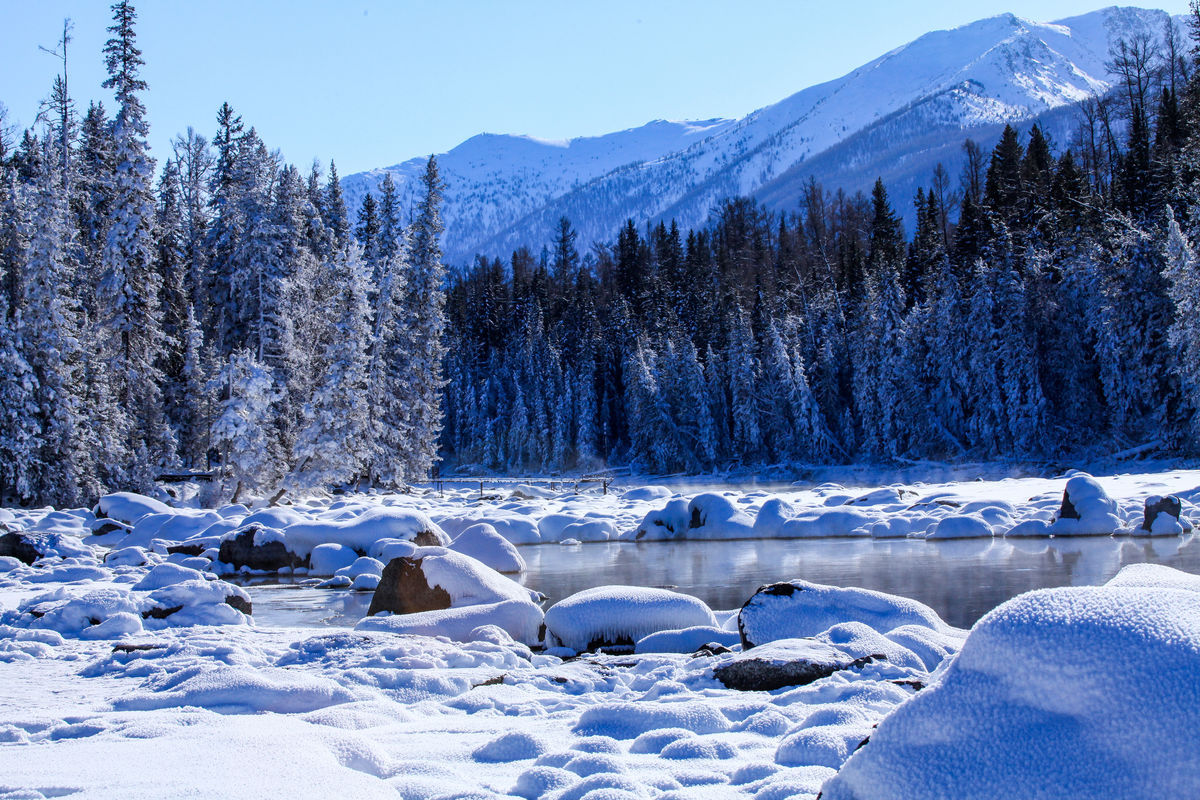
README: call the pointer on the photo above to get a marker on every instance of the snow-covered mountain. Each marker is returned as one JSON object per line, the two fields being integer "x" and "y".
{"x": 893, "y": 117}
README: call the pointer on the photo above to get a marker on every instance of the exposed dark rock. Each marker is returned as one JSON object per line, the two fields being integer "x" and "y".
{"x": 1160, "y": 505}
{"x": 104, "y": 525}
{"x": 240, "y": 551}
{"x": 136, "y": 648}
{"x": 621, "y": 646}
{"x": 711, "y": 649}
{"x": 241, "y": 604}
{"x": 1068, "y": 508}
{"x": 427, "y": 539}
{"x": 21, "y": 546}
{"x": 186, "y": 549}
{"x": 754, "y": 674}
{"x": 160, "y": 612}
{"x": 403, "y": 589}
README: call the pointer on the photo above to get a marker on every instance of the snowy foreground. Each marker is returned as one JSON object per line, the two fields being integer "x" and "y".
{"x": 129, "y": 667}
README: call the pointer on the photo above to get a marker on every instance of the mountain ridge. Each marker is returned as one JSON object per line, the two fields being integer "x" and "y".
{"x": 505, "y": 191}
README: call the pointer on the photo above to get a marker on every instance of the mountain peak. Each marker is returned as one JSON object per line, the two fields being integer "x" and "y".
{"x": 914, "y": 105}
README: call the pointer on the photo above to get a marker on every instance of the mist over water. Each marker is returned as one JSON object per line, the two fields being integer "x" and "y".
{"x": 960, "y": 579}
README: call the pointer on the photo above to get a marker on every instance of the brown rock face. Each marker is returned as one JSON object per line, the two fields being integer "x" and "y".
{"x": 240, "y": 550}
{"x": 403, "y": 589}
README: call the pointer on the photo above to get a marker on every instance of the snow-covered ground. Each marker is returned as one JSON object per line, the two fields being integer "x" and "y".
{"x": 129, "y": 667}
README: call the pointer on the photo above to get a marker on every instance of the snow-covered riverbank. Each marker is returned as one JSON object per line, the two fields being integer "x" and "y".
{"x": 128, "y": 667}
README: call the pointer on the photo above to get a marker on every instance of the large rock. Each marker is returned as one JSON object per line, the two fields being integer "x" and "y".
{"x": 787, "y": 662}
{"x": 438, "y": 592}
{"x": 619, "y": 616}
{"x": 404, "y": 589}
{"x": 799, "y": 609}
{"x": 1169, "y": 508}
{"x": 21, "y": 546}
{"x": 1086, "y": 510}
{"x": 28, "y": 546}
{"x": 257, "y": 548}
{"x": 434, "y": 578}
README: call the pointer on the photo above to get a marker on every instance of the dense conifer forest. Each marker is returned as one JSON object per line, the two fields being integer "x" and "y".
{"x": 220, "y": 311}
{"x": 1045, "y": 305}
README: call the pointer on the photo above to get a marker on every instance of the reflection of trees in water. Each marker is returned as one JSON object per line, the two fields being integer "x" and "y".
{"x": 960, "y": 579}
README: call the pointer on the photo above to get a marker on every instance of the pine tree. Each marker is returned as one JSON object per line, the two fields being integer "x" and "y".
{"x": 241, "y": 432}
{"x": 425, "y": 299}
{"x": 129, "y": 313}
{"x": 333, "y": 447}
{"x": 1183, "y": 271}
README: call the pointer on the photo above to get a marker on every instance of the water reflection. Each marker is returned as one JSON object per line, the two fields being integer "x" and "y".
{"x": 961, "y": 579}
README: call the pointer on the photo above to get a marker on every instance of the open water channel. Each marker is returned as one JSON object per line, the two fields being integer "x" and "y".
{"x": 960, "y": 579}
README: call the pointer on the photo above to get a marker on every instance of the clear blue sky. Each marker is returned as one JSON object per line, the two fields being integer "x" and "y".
{"x": 372, "y": 83}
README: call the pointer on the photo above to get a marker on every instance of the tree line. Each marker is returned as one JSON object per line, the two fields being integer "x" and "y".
{"x": 221, "y": 314}
{"x": 1045, "y": 305}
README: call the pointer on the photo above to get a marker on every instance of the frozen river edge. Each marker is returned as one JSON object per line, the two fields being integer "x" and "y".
{"x": 128, "y": 667}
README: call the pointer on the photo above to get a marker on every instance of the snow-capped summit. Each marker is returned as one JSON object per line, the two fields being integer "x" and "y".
{"x": 894, "y": 117}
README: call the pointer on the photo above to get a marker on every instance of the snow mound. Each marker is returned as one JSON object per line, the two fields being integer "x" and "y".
{"x": 799, "y": 609}
{"x": 168, "y": 595}
{"x": 327, "y": 559}
{"x": 1087, "y": 510}
{"x": 631, "y": 720}
{"x": 483, "y": 543}
{"x": 129, "y": 507}
{"x": 965, "y": 526}
{"x": 362, "y": 532}
{"x": 669, "y": 522}
{"x": 239, "y": 690}
{"x": 521, "y": 620}
{"x": 621, "y": 615}
{"x": 688, "y": 640}
{"x": 714, "y": 516}
{"x": 1078, "y": 692}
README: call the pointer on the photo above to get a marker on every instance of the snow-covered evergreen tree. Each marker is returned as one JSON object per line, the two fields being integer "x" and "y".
{"x": 1183, "y": 271}
{"x": 242, "y": 430}
{"x": 334, "y": 446}
{"x": 130, "y": 316}
{"x": 425, "y": 300}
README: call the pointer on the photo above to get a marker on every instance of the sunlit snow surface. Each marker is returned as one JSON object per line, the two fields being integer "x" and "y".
{"x": 1090, "y": 688}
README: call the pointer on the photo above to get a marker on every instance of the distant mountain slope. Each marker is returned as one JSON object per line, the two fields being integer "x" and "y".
{"x": 894, "y": 117}
{"x": 493, "y": 180}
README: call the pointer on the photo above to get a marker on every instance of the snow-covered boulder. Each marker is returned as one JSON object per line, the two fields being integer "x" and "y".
{"x": 439, "y": 592}
{"x": 714, "y": 516}
{"x": 799, "y": 609}
{"x": 483, "y": 543}
{"x": 360, "y": 532}
{"x": 328, "y": 558}
{"x": 836, "y": 522}
{"x": 28, "y": 546}
{"x": 128, "y": 507}
{"x": 1070, "y": 692}
{"x": 1162, "y": 516}
{"x": 961, "y": 526}
{"x": 618, "y": 616}
{"x": 786, "y": 662}
{"x": 516, "y": 528}
{"x": 520, "y": 619}
{"x": 435, "y": 578}
{"x": 688, "y": 640}
{"x": 1086, "y": 510}
{"x": 257, "y": 548}
{"x": 167, "y": 596}
{"x": 669, "y": 522}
